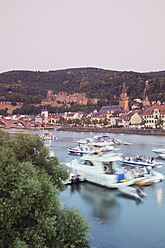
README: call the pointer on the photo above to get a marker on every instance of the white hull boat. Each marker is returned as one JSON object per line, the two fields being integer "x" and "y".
{"x": 161, "y": 155}
{"x": 90, "y": 148}
{"x": 144, "y": 175}
{"x": 101, "y": 170}
{"x": 159, "y": 150}
{"x": 74, "y": 179}
{"x": 157, "y": 176}
{"x": 48, "y": 136}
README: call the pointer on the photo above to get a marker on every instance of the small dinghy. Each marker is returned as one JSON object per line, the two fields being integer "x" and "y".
{"x": 135, "y": 193}
{"x": 74, "y": 179}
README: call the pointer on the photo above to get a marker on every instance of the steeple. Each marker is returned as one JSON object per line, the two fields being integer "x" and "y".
{"x": 124, "y": 89}
{"x": 123, "y": 102}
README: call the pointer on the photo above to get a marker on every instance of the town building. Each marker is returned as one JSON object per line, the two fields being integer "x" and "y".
{"x": 44, "y": 115}
{"x": 154, "y": 117}
{"x": 132, "y": 119}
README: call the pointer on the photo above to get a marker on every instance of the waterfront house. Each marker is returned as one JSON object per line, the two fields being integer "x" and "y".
{"x": 154, "y": 117}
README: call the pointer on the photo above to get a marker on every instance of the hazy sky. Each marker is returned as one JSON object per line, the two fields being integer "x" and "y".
{"x": 56, "y": 34}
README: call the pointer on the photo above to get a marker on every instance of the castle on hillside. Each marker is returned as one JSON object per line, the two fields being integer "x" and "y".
{"x": 63, "y": 97}
{"x": 123, "y": 101}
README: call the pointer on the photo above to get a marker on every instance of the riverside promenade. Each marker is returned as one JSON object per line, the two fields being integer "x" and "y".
{"x": 157, "y": 132}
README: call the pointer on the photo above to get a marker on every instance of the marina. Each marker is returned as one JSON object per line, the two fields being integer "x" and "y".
{"x": 117, "y": 219}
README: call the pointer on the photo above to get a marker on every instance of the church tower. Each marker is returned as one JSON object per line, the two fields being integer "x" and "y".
{"x": 123, "y": 102}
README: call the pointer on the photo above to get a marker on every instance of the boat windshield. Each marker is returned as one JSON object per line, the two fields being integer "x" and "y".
{"x": 85, "y": 162}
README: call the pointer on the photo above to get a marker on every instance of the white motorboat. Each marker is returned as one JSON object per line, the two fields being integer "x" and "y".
{"x": 48, "y": 136}
{"x": 79, "y": 150}
{"x": 83, "y": 149}
{"x": 132, "y": 192}
{"x": 126, "y": 143}
{"x": 157, "y": 176}
{"x": 144, "y": 175}
{"x": 101, "y": 169}
{"x": 97, "y": 140}
{"x": 159, "y": 150}
{"x": 161, "y": 155}
{"x": 74, "y": 179}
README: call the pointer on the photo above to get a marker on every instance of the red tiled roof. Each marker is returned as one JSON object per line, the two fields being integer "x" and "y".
{"x": 149, "y": 111}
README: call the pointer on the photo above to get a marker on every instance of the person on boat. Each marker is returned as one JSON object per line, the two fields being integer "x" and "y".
{"x": 152, "y": 159}
{"x": 144, "y": 159}
{"x": 138, "y": 157}
{"x": 133, "y": 172}
{"x": 141, "y": 158}
{"x": 106, "y": 168}
{"x": 148, "y": 160}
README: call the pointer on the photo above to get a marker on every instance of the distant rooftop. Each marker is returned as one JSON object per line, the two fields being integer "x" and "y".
{"x": 110, "y": 108}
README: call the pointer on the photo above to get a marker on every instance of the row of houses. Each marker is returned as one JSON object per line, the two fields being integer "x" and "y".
{"x": 152, "y": 117}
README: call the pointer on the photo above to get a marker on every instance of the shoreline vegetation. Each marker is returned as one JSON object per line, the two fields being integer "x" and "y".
{"x": 158, "y": 132}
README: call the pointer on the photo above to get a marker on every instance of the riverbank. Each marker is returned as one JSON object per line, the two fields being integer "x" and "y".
{"x": 157, "y": 132}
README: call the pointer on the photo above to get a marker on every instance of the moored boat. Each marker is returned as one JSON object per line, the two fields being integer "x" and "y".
{"x": 158, "y": 150}
{"x": 138, "y": 161}
{"x": 161, "y": 155}
{"x": 144, "y": 175}
{"x": 74, "y": 179}
{"x": 90, "y": 148}
{"x": 101, "y": 169}
{"x": 48, "y": 136}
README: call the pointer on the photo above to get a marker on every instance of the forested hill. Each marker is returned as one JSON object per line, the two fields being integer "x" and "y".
{"x": 32, "y": 87}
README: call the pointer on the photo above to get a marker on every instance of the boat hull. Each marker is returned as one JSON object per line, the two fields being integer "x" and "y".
{"x": 137, "y": 163}
{"x": 104, "y": 180}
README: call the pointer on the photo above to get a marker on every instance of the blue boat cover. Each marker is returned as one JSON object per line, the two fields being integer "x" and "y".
{"x": 121, "y": 177}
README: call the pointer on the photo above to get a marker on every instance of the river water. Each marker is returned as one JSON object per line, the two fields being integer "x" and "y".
{"x": 118, "y": 221}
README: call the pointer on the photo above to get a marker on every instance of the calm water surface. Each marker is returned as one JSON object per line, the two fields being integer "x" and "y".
{"x": 118, "y": 221}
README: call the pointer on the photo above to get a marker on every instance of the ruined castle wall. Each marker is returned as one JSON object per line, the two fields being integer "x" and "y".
{"x": 79, "y": 98}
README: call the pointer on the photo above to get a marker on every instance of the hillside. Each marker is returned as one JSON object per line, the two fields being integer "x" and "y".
{"x": 31, "y": 87}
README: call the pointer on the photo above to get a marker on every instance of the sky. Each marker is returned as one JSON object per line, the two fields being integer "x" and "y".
{"x": 121, "y": 35}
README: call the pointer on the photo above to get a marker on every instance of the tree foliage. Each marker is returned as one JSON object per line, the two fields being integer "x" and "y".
{"x": 31, "y": 214}
{"x": 31, "y": 87}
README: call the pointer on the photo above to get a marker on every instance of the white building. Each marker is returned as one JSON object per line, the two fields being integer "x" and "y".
{"x": 154, "y": 117}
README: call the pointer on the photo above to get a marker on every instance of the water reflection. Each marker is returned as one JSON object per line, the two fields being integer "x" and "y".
{"x": 101, "y": 201}
{"x": 128, "y": 198}
{"x": 159, "y": 194}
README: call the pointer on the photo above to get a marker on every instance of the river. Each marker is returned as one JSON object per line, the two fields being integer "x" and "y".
{"x": 118, "y": 221}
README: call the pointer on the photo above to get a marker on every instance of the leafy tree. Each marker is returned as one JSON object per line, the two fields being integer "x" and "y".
{"x": 31, "y": 214}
